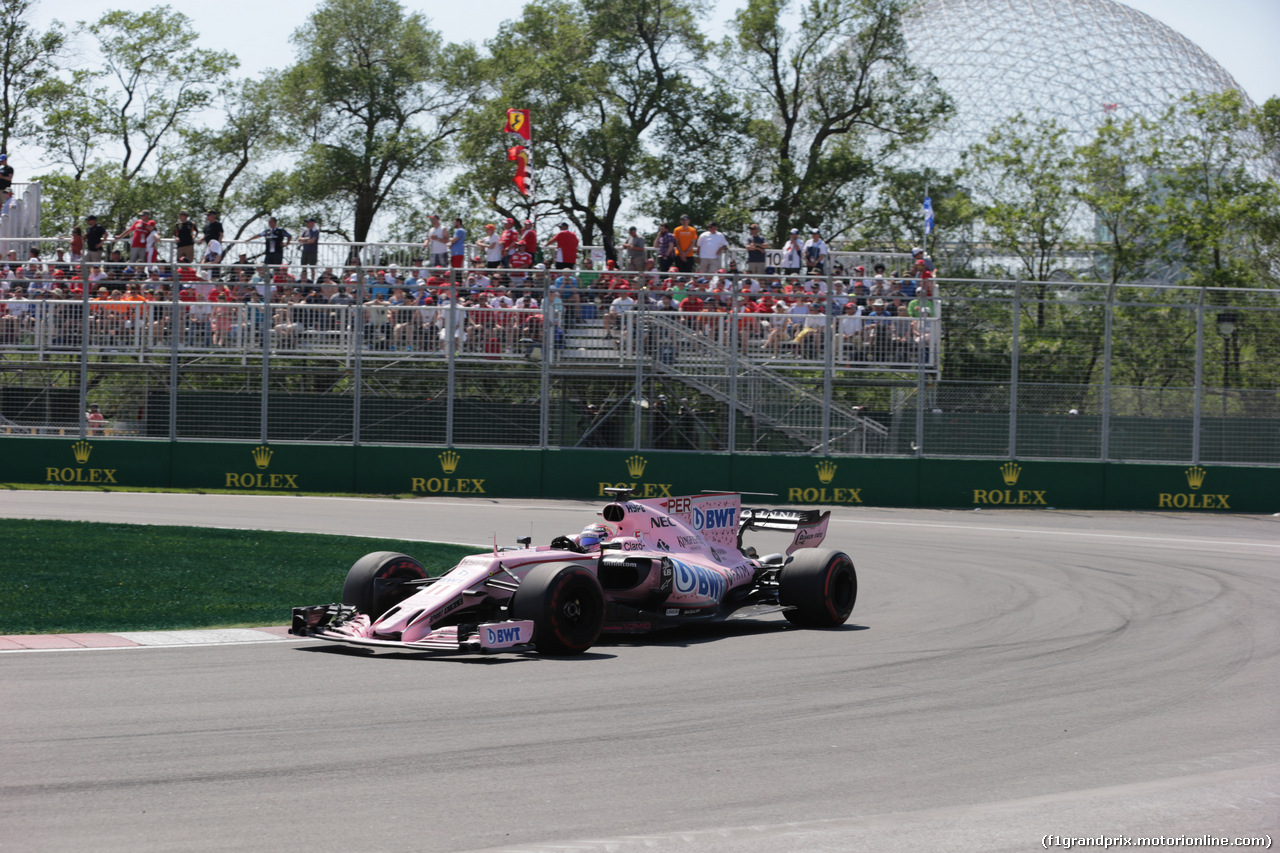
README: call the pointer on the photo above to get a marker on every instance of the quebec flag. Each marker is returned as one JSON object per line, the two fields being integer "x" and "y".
{"x": 928, "y": 215}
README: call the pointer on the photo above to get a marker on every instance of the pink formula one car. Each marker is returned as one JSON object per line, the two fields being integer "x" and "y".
{"x": 649, "y": 564}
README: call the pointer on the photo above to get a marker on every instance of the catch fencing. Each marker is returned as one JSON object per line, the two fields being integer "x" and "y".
{"x": 992, "y": 369}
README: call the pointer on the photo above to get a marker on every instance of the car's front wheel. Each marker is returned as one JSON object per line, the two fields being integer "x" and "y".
{"x": 376, "y": 582}
{"x": 566, "y": 604}
{"x": 821, "y": 585}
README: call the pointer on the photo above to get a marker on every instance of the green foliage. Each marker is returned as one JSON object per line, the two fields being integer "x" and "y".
{"x": 76, "y": 576}
{"x": 601, "y": 78}
{"x": 376, "y": 93}
{"x": 1020, "y": 181}
{"x": 831, "y": 100}
{"x": 28, "y": 62}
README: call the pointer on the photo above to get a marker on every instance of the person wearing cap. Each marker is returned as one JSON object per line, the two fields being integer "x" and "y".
{"x": 566, "y": 243}
{"x": 756, "y": 246}
{"x": 277, "y": 239}
{"x": 491, "y": 245}
{"x": 529, "y": 237}
{"x": 793, "y": 254}
{"x": 212, "y": 230}
{"x": 686, "y": 237}
{"x": 309, "y": 240}
{"x": 137, "y": 234}
{"x": 184, "y": 237}
{"x": 815, "y": 253}
{"x": 6, "y": 173}
{"x": 94, "y": 236}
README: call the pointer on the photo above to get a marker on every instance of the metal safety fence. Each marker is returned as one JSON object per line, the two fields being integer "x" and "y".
{"x": 605, "y": 359}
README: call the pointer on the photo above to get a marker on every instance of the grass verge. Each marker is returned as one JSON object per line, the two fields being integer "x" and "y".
{"x": 77, "y": 576}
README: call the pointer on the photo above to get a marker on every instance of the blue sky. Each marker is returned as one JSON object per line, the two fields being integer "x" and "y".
{"x": 1239, "y": 34}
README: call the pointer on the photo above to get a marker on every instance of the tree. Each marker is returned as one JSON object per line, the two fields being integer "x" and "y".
{"x": 1020, "y": 178}
{"x": 28, "y": 60}
{"x": 120, "y": 124}
{"x": 831, "y": 100}
{"x": 1214, "y": 201}
{"x": 376, "y": 94}
{"x": 601, "y": 78}
{"x": 1114, "y": 172}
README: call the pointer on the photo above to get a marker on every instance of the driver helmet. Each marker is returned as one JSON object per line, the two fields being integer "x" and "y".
{"x": 593, "y": 534}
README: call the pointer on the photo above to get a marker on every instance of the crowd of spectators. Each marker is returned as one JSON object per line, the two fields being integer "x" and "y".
{"x": 497, "y": 304}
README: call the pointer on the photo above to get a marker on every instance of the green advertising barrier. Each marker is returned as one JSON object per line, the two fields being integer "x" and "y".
{"x": 1193, "y": 488}
{"x": 838, "y": 481}
{"x": 457, "y": 471}
{"x": 95, "y": 461}
{"x": 997, "y": 484}
{"x": 263, "y": 467}
{"x": 495, "y": 473}
{"x": 585, "y": 474}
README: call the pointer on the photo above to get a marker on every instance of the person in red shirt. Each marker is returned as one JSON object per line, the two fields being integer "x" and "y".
{"x": 529, "y": 237}
{"x": 566, "y": 243}
{"x": 137, "y": 232}
{"x": 519, "y": 261}
{"x": 510, "y": 239}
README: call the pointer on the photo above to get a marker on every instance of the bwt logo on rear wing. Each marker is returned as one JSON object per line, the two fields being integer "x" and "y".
{"x": 810, "y": 526}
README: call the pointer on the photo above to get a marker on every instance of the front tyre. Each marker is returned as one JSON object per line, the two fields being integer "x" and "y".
{"x": 376, "y": 582}
{"x": 566, "y": 604}
{"x": 821, "y": 585}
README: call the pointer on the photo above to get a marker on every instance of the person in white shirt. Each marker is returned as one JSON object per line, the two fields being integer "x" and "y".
{"x": 437, "y": 243}
{"x": 620, "y": 306}
{"x": 793, "y": 254}
{"x": 815, "y": 253}
{"x": 711, "y": 245}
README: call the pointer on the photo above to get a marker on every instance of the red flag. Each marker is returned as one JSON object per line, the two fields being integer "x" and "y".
{"x": 518, "y": 123}
{"x": 520, "y": 155}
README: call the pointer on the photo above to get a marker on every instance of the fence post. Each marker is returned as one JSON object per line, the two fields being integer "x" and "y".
{"x": 1013, "y": 370}
{"x": 1108, "y": 325}
{"x": 451, "y": 341}
{"x": 735, "y": 305}
{"x": 175, "y": 333}
{"x": 1199, "y": 380}
{"x": 551, "y": 323}
{"x": 84, "y": 348}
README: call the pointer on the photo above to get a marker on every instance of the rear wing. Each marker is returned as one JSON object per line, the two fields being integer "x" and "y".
{"x": 809, "y": 525}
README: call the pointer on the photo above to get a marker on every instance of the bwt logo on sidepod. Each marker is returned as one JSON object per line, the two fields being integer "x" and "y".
{"x": 692, "y": 580}
{"x": 713, "y": 519}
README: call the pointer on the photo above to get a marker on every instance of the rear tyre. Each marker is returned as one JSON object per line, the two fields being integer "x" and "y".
{"x": 566, "y": 604}
{"x": 376, "y": 582}
{"x": 821, "y": 585}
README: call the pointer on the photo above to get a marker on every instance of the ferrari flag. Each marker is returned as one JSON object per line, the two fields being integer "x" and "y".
{"x": 518, "y": 123}
{"x": 520, "y": 155}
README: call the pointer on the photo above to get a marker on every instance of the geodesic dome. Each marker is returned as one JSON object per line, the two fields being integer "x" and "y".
{"x": 1076, "y": 61}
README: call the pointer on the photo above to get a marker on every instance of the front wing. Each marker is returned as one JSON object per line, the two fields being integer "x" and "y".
{"x": 327, "y": 622}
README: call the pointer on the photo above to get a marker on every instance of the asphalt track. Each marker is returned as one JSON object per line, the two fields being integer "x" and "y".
{"x": 1005, "y": 676}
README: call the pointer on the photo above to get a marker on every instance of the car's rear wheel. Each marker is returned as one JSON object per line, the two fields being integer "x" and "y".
{"x": 821, "y": 585}
{"x": 376, "y": 582}
{"x": 566, "y": 604}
